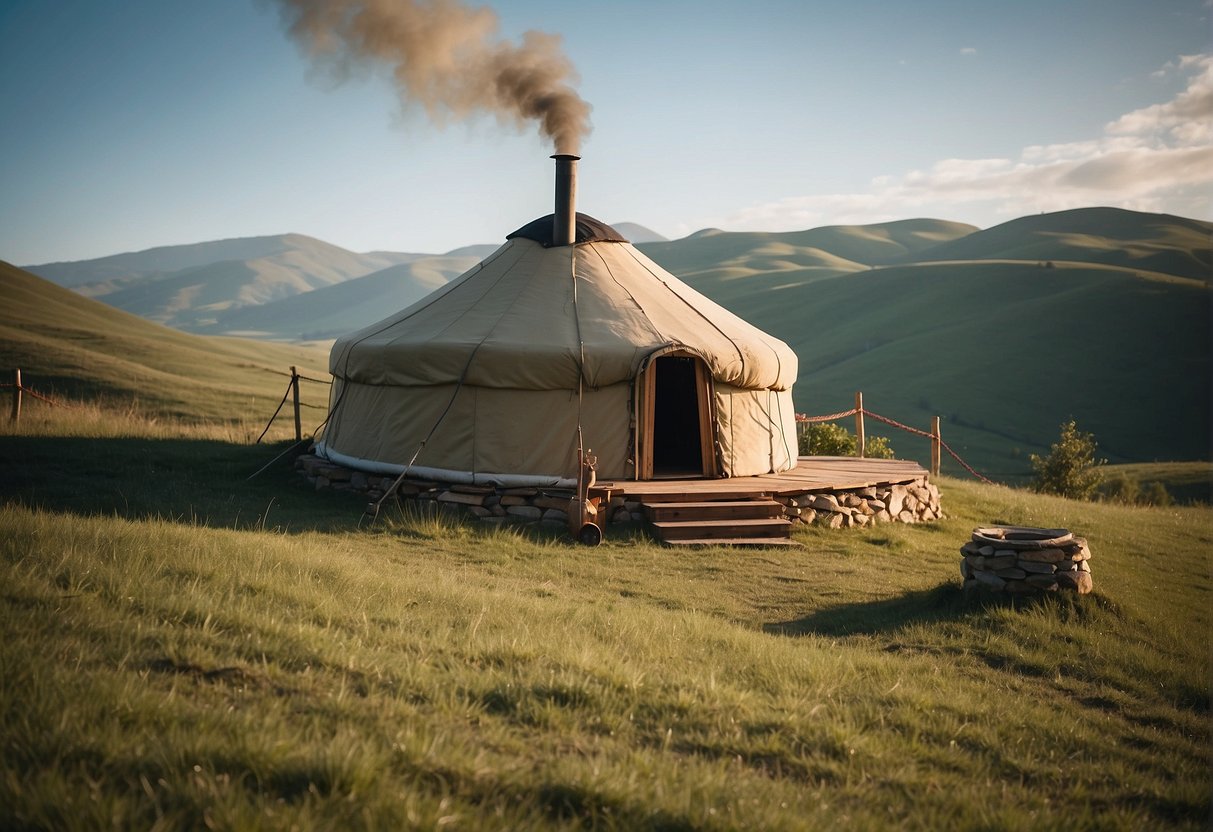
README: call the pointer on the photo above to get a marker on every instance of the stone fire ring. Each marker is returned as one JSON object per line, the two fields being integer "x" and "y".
{"x": 1021, "y": 538}
{"x": 1020, "y": 559}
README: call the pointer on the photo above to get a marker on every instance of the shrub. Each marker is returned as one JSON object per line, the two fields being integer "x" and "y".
{"x": 1156, "y": 494}
{"x": 829, "y": 439}
{"x": 1070, "y": 469}
{"x": 1119, "y": 487}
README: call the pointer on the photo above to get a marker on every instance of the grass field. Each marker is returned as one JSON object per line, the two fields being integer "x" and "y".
{"x": 76, "y": 349}
{"x": 187, "y": 648}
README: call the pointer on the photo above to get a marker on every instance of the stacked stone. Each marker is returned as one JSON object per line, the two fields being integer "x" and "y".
{"x": 549, "y": 506}
{"x": 1026, "y": 560}
{"x": 912, "y": 502}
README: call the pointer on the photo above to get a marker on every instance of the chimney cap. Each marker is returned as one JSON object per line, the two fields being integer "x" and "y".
{"x": 565, "y": 157}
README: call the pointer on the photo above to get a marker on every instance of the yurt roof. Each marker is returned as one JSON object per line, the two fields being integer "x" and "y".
{"x": 532, "y": 317}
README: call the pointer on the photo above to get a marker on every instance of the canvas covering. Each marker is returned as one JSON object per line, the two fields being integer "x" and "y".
{"x": 491, "y": 375}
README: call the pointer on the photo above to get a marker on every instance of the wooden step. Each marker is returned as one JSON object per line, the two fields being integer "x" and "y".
{"x": 638, "y": 492}
{"x": 671, "y": 530}
{"x": 722, "y": 510}
{"x": 736, "y": 541}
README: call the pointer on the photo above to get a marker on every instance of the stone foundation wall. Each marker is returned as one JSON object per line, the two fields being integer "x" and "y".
{"x": 912, "y": 502}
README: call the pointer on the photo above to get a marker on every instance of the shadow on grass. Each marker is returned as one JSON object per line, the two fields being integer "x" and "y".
{"x": 942, "y": 603}
{"x": 205, "y": 482}
{"x": 201, "y": 482}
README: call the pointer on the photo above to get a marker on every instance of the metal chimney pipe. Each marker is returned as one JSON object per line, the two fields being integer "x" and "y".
{"x": 564, "y": 221}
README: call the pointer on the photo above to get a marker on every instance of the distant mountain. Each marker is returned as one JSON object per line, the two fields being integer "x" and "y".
{"x": 166, "y": 259}
{"x": 344, "y": 307}
{"x": 154, "y": 284}
{"x": 637, "y": 233}
{"x": 1158, "y": 243}
{"x": 837, "y": 247}
{"x": 478, "y": 251}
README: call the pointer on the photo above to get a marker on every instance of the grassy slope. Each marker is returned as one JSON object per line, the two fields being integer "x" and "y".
{"x": 1110, "y": 236}
{"x": 76, "y": 347}
{"x": 266, "y": 664}
{"x": 846, "y": 246}
{"x": 1117, "y": 335}
{"x": 1003, "y": 351}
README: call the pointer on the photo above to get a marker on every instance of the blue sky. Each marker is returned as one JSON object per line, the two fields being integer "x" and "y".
{"x": 139, "y": 123}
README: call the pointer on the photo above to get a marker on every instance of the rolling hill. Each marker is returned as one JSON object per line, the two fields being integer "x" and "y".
{"x": 344, "y": 307}
{"x": 1158, "y": 243}
{"x": 1098, "y": 314}
{"x": 71, "y": 346}
{"x": 1004, "y": 346}
{"x": 188, "y": 287}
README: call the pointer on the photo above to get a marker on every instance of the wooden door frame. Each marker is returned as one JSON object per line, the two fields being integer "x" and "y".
{"x": 646, "y": 399}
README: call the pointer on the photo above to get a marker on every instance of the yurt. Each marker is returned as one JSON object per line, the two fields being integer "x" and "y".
{"x": 566, "y": 338}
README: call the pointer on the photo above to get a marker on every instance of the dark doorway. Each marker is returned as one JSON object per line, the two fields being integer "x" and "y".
{"x": 677, "y": 443}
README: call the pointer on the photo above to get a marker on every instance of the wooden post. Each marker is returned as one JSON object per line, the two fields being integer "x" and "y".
{"x": 860, "y": 439}
{"x": 16, "y": 395}
{"x": 295, "y": 395}
{"x": 936, "y": 446}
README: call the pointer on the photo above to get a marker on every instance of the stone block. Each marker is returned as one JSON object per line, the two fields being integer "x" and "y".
{"x": 525, "y": 512}
{"x": 824, "y": 502}
{"x": 1043, "y": 555}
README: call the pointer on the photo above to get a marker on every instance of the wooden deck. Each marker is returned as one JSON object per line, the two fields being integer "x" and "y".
{"x": 812, "y": 473}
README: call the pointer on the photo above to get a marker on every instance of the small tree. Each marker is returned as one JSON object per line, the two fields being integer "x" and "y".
{"x": 1070, "y": 469}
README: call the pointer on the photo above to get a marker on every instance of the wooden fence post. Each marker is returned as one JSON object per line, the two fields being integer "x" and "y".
{"x": 860, "y": 439}
{"x": 295, "y": 395}
{"x": 936, "y": 446}
{"x": 16, "y": 395}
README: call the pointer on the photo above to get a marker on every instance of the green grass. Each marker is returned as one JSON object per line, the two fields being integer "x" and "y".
{"x": 177, "y": 656}
{"x": 80, "y": 350}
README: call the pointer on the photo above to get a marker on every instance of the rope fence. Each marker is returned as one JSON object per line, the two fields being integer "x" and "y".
{"x": 292, "y": 390}
{"x": 37, "y": 395}
{"x": 300, "y": 377}
{"x": 20, "y": 389}
{"x": 859, "y": 412}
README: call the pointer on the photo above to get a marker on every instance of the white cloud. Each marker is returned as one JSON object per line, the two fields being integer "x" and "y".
{"x": 1157, "y": 158}
{"x": 968, "y": 50}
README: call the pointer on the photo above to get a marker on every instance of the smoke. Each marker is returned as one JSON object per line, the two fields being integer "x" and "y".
{"x": 450, "y": 59}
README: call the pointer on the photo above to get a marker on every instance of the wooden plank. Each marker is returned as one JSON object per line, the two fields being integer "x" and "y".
{"x": 723, "y": 510}
{"x": 765, "y": 542}
{"x": 648, "y": 416}
{"x": 810, "y": 474}
{"x": 683, "y": 495}
{"x": 707, "y": 424}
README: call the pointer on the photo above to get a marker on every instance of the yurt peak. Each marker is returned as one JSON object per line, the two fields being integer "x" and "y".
{"x": 566, "y": 227}
{"x": 586, "y": 229}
